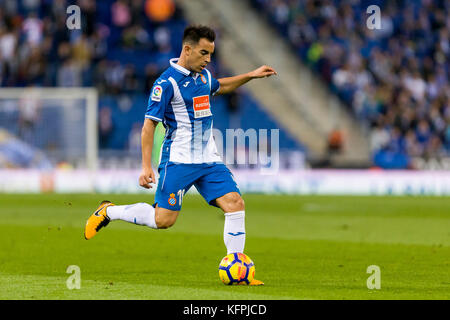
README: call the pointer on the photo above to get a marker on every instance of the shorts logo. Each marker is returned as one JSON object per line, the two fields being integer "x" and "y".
{"x": 156, "y": 93}
{"x": 201, "y": 107}
{"x": 172, "y": 200}
{"x": 202, "y": 77}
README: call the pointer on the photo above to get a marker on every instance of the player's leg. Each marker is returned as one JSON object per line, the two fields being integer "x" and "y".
{"x": 165, "y": 218}
{"x": 141, "y": 213}
{"x": 219, "y": 189}
{"x": 233, "y": 207}
{"x": 168, "y": 200}
{"x": 161, "y": 215}
{"x": 230, "y": 202}
{"x": 144, "y": 214}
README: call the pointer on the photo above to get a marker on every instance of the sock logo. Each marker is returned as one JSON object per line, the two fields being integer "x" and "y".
{"x": 235, "y": 234}
{"x": 172, "y": 200}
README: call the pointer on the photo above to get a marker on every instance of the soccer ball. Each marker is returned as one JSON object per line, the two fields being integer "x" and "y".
{"x": 236, "y": 268}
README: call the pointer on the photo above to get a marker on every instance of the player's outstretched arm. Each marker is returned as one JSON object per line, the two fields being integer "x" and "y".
{"x": 230, "y": 84}
{"x": 147, "y": 175}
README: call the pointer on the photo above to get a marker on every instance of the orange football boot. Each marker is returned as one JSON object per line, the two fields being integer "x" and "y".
{"x": 255, "y": 282}
{"x": 97, "y": 220}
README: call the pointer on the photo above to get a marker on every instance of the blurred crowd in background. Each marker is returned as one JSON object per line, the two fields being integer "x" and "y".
{"x": 395, "y": 80}
{"x": 121, "y": 48}
{"x": 37, "y": 48}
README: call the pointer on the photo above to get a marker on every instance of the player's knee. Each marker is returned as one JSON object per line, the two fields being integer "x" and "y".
{"x": 239, "y": 204}
{"x": 164, "y": 221}
{"x": 235, "y": 203}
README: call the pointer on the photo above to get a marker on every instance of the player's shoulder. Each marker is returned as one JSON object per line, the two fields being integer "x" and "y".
{"x": 163, "y": 79}
{"x": 208, "y": 77}
{"x": 161, "y": 88}
{"x": 168, "y": 76}
{"x": 163, "y": 82}
{"x": 206, "y": 73}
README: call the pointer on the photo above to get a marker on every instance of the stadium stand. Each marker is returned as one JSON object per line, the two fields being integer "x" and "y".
{"x": 395, "y": 80}
{"x": 121, "y": 49}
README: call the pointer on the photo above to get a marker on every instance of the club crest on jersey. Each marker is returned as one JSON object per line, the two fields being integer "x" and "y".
{"x": 202, "y": 77}
{"x": 201, "y": 107}
{"x": 156, "y": 93}
{"x": 172, "y": 200}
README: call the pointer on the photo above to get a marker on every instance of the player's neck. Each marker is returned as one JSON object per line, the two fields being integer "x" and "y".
{"x": 182, "y": 62}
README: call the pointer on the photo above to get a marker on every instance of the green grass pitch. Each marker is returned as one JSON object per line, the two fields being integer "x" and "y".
{"x": 313, "y": 247}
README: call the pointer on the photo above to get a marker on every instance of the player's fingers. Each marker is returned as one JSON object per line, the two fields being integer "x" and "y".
{"x": 267, "y": 71}
{"x": 148, "y": 182}
{"x": 270, "y": 73}
{"x": 271, "y": 70}
{"x": 144, "y": 181}
{"x": 152, "y": 177}
{"x": 143, "y": 184}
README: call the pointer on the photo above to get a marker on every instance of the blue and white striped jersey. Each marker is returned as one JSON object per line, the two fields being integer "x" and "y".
{"x": 180, "y": 99}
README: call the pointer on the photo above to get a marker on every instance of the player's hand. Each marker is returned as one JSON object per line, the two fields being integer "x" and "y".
{"x": 262, "y": 72}
{"x": 147, "y": 177}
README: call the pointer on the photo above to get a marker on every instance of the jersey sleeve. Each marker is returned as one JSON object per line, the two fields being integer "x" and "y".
{"x": 215, "y": 86}
{"x": 160, "y": 97}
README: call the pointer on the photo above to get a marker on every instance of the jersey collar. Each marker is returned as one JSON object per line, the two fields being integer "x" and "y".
{"x": 173, "y": 64}
{"x": 186, "y": 72}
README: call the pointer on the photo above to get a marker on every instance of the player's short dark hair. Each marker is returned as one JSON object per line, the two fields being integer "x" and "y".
{"x": 194, "y": 33}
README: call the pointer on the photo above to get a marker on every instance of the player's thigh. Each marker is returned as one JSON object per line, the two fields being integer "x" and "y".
{"x": 165, "y": 218}
{"x": 174, "y": 181}
{"x": 218, "y": 184}
{"x": 231, "y": 202}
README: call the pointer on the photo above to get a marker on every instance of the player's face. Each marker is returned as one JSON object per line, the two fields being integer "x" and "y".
{"x": 200, "y": 55}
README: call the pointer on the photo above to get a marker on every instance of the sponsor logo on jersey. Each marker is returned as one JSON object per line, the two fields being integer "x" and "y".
{"x": 201, "y": 107}
{"x": 156, "y": 93}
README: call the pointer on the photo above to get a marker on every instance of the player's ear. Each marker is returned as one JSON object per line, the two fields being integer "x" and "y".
{"x": 187, "y": 49}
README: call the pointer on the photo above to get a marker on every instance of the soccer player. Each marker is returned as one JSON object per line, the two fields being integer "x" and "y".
{"x": 180, "y": 99}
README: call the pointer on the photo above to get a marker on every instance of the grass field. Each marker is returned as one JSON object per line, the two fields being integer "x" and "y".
{"x": 303, "y": 248}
